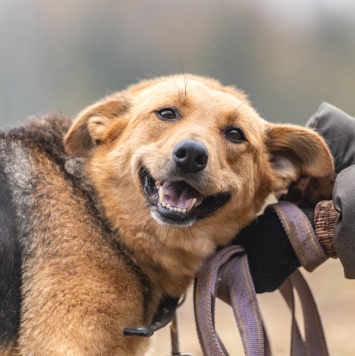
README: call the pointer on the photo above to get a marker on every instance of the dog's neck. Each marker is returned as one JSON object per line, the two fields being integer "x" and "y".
{"x": 170, "y": 271}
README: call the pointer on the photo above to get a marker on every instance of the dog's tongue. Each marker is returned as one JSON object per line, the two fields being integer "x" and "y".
{"x": 181, "y": 195}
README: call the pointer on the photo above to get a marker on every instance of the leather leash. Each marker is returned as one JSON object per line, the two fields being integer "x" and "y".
{"x": 226, "y": 276}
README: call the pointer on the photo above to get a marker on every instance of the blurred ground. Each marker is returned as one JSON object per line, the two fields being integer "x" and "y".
{"x": 335, "y": 297}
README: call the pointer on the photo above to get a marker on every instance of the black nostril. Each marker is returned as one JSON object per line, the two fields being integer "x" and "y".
{"x": 190, "y": 156}
{"x": 202, "y": 159}
{"x": 181, "y": 153}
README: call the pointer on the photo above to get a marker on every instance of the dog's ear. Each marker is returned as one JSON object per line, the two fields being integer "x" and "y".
{"x": 89, "y": 127}
{"x": 297, "y": 152}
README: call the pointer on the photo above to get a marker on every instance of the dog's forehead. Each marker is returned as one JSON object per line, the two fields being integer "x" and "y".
{"x": 193, "y": 93}
{"x": 213, "y": 106}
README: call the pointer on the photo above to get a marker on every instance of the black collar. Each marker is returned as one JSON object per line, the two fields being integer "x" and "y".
{"x": 162, "y": 317}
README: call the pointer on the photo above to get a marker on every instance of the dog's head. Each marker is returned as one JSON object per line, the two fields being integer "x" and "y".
{"x": 187, "y": 153}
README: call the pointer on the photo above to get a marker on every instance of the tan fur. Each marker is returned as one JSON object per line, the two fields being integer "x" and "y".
{"x": 91, "y": 297}
{"x": 119, "y": 135}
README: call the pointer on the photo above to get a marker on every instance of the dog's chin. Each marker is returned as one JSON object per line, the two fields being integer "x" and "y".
{"x": 176, "y": 203}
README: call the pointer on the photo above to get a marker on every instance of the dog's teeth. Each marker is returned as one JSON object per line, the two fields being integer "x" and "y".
{"x": 172, "y": 208}
{"x": 161, "y": 195}
{"x": 192, "y": 204}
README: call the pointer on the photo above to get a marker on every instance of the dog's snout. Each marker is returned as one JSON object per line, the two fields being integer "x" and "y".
{"x": 190, "y": 156}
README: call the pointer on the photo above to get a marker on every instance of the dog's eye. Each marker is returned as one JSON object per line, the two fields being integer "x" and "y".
{"x": 167, "y": 114}
{"x": 235, "y": 134}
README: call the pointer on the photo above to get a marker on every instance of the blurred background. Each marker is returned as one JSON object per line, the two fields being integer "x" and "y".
{"x": 288, "y": 56}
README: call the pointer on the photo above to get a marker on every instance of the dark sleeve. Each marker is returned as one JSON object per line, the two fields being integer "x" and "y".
{"x": 338, "y": 130}
{"x": 270, "y": 254}
{"x": 344, "y": 232}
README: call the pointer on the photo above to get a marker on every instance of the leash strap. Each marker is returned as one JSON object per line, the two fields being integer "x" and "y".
{"x": 314, "y": 343}
{"x": 301, "y": 235}
{"x": 226, "y": 276}
{"x": 297, "y": 346}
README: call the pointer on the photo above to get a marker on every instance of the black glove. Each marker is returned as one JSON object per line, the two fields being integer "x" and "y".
{"x": 270, "y": 253}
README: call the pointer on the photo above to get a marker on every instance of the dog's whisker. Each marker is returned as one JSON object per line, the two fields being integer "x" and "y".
{"x": 183, "y": 73}
{"x": 245, "y": 101}
{"x": 236, "y": 113}
{"x": 180, "y": 95}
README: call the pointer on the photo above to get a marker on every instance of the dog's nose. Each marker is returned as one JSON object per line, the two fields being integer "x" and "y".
{"x": 190, "y": 156}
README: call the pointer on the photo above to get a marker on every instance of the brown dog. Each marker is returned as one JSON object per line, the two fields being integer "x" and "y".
{"x": 165, "y": 172}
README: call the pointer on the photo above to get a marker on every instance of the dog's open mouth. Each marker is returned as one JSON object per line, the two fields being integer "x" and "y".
{"x": 177, "y": 202}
